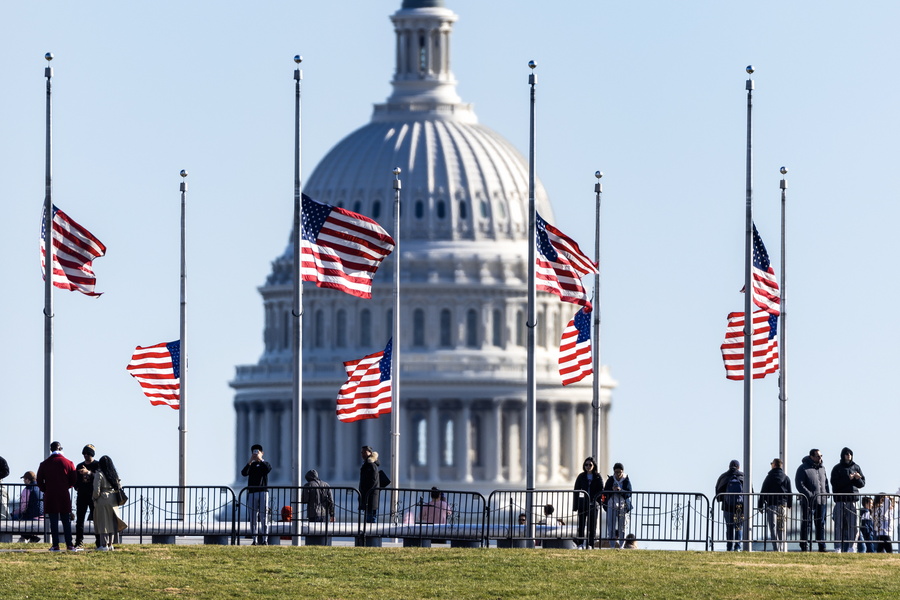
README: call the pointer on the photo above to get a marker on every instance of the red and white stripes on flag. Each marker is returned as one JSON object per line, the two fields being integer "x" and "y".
{"x": 764, "y": 345}
{"x": 367, "y": 392}
{"x": 74, "y": 248}
{"x": 575, "y": 359}
{"x": 158, "y": 370}
{"x": 766, "y": 293}
{"x": 561, "y": 264}
{"x": 340, "y": 249}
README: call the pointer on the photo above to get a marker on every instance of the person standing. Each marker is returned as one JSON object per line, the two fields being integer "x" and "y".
{"x": 257, "y": 473}
{"x": 775, "y": 498}
{"x": 729, "y": 487}
{"x": 107, "y": 522}
{"x": 4, "y": 473}
{"x": 882, "y": 515}
{"x": 585, "y": 505}
{"x": 618, "y": 504}
{"x": 84, "y": 486}
{"x": 316, "y": 494}
{"x": 55, "y": 477}
{"x": 812, "y": 481}
{"x": 369, "y": 484}
{"x": 31, "y": 505}
{"x": 846, "y": 479}
{"x": 866, "y": 543}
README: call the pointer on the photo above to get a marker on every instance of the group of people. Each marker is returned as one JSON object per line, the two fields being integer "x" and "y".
{"x": 862, "y": 525}
{"x": 47, "y": 494}
{"x": 613, "y": 496}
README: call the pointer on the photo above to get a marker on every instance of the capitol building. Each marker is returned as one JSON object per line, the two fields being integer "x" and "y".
{"x": 463, "y": 292}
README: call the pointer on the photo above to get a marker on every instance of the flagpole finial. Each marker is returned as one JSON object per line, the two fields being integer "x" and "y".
{"x": 598, "y": 187}
{"x": 598, "y": 174}
{"x": 184, "y": 173}
{"x": 532, "y": 64}
{"x": 783, "y": 185}
{"x": 783, "y": 170}
{"x": 750, "y": 69}
{"x": 298, "y": 59}
{"x": 49, "y": 56}
{"x": 396, "y": 171}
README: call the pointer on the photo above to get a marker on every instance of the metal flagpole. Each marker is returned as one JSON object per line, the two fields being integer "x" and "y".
{"x": 297, "y": 312}
{"x": 782, "y": 338}
{"x": 595, "y": 405}
{"x": 48, "y": 271}
{"x": 395, "y": 358}
{"x": 182, "y": 404}
{"x": 531, "y": 323}
{"x": 748, "y": 319}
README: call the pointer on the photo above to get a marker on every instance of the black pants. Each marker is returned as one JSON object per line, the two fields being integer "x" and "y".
{"x": 587, "y": 516}
{"x": 83, "y": 503}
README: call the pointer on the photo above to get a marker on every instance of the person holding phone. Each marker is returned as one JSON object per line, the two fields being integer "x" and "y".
{"x": 257, "y": 473}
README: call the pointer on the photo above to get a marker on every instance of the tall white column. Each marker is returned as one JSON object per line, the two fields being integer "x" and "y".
{"x": 435, "y": 447}
{"x": 463, "y": 433}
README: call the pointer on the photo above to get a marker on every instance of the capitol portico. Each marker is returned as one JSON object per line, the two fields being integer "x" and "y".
{"x": 463, "y": 282}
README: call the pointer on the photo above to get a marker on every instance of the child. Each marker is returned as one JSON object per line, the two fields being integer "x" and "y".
{"x": 866, "y": 527}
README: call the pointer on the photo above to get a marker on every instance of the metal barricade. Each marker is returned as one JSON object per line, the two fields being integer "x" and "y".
{"x": 548, "y": 518}
{"x": 14, "y": 520}
{"x": 166, "y": 512}
{"x": 316, "y": 514}
{"x": 847, "y": 529}
{"x": 657, "y": 518}
{"x": 775, "y": 521}
{"x": 421, "y": 517}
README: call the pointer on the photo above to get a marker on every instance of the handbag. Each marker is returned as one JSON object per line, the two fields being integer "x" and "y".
{"x": 383, "y": 480}
{"x": 121, "y": 497}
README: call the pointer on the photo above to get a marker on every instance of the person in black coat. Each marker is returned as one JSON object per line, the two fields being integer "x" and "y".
{"x": 776, "y": 499}
{"x": 589, "y": 482}
{"x": 369, "y": 484}
{"x": 812, "y": 481}
{"x": 846, "y": 479}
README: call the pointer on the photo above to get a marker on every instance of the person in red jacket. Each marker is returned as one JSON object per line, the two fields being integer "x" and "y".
{"x": 55, "y": 477}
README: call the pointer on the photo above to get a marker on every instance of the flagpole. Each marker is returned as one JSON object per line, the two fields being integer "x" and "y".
{"x": 395, "y": 357}
{"x": 782, "y": 336}
{"x": 297, "y": 312}
{"x": 748, "y": 318}
{"x": 48, "y": 268}
{"x": 182, "y": 404}
{"x": 595, "y": 405}
{"x": 531, "y": 322}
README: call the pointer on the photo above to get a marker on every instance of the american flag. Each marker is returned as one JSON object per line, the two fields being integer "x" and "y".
{"x": 367, "y": 392}
{"x": 74, "y": 248}
{"x": 575, "y": 361}
{"x": 765, "y": 288}
{"x": 341, "y": 249}
{"x": 158, "y": 370}
{"x": 764, "y": 344}
{"x": 561, "y": 264}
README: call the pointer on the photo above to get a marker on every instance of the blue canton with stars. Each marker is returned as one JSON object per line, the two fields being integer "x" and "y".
{"x": 312, "y": 216}
{"x": 543, "y": 240}
{"x": 174, "y": 349}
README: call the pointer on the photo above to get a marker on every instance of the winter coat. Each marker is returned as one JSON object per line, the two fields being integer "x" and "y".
{"x": 106, "y": 510}
{"x": 316, "y": 494}
{"x": 592, "y": 489}
{"x": 724, "y": 478}
{"x": 841, "y": 483}
{"x": 369, "y": 482}
{"x": 617, "y": 499}
{"x": 55, "y": 477}
{"x": 776, "y": 489}
{"x": 811, "y": 481}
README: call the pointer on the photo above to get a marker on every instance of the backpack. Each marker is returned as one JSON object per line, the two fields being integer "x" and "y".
{"x": 732, "y": 501}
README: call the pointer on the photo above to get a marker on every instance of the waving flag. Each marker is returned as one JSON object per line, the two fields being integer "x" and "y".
{"x": 765, "y": 288}
{"x": 764, "y": 345}
{"x": 341, "y": 249}
{"x": 158, "y": 370}
{"x": 73, "y": 250}
{"x": 561, "y": 264}
{"x": 575, "y": 361}
{"x": 367, "y": 392}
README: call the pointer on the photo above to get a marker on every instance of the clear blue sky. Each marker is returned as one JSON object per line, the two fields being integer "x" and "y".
{"x": 651, "y": 93}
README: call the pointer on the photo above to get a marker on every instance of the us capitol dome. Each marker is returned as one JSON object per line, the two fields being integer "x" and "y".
{"x": 463, "y": 282}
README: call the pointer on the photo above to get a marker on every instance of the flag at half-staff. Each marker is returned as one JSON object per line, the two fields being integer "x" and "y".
{"x": 341, "y": 249}
{"x": 367, "y": 392}
{"x": 560, "y": 264}
{"x": 158, "y": 370}
{"x": 764, "y": 345}
{"x": 575, "y": 360}
{"x": 766, "y": 294}
{"x": 73, "y": 250}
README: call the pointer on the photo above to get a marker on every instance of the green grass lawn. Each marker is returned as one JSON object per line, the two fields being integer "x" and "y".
{"x": 145, "y": 572}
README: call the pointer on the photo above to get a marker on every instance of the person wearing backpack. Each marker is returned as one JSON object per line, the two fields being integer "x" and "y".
{"x": 729, "y": 486}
